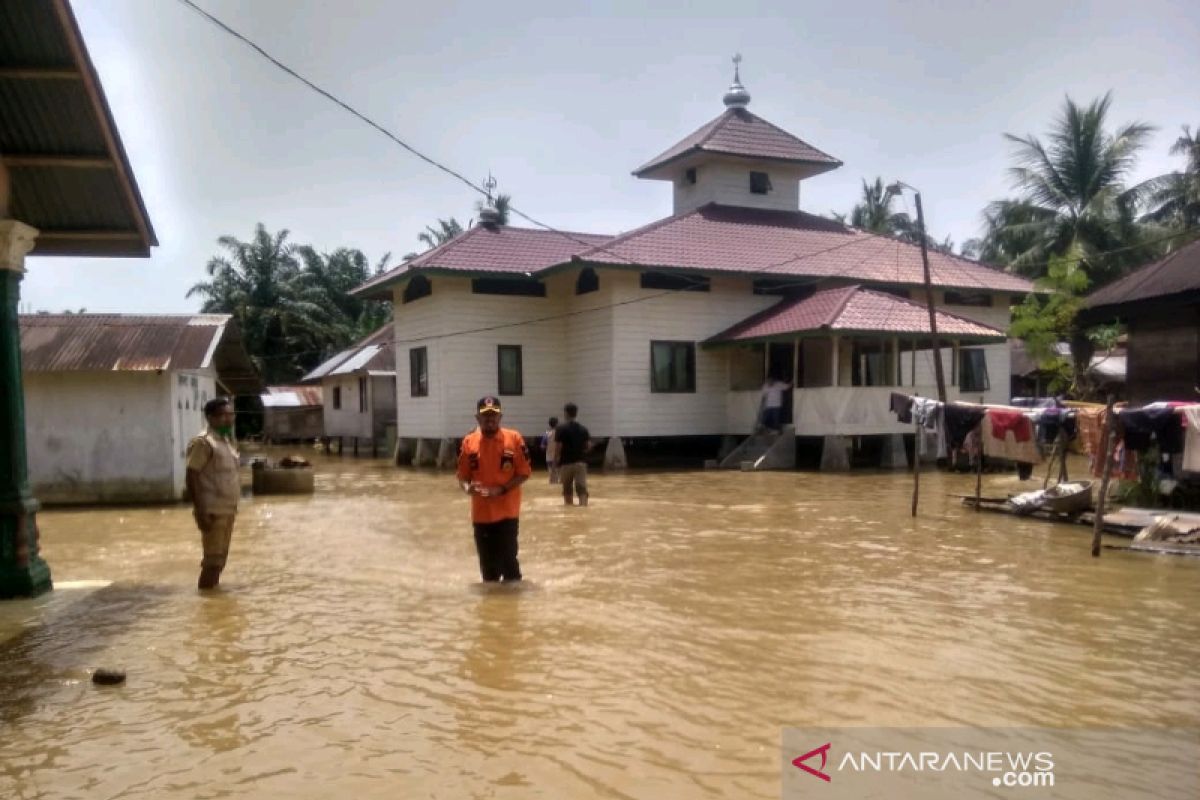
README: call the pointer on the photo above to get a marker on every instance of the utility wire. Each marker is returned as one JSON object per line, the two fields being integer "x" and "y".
{"x": 590, "y": 246}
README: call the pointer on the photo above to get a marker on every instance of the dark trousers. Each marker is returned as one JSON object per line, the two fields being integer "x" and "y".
{"x": 496, "y": 543}
{"x": 773, "y": 418}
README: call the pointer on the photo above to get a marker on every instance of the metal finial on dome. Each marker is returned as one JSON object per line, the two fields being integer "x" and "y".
{"x": 489, "y": 217}
{"x": 737, "y": 96}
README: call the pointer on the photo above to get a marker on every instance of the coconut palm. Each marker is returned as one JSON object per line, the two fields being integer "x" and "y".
{"x": 1174, "y": 198}
{"x": 874, "y": 212}
{"x": 446, "y": 230}
{"x": 1074, "y": 201}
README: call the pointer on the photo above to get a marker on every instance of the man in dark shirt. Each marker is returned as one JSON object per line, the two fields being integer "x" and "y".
{"x": 574, "y": 441}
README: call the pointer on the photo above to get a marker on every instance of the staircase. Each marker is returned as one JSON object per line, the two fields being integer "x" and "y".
{"x": 764, "y": 450}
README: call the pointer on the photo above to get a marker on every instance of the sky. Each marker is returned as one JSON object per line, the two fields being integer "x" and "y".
{"x": 560, "y": 100}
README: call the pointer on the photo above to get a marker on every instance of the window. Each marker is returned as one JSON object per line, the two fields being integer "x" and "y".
{"x": 524, "y": 287}
{"x": 972, "y": 370}
{"x": 782, "y": 287}
{"x": 418, "y": 371}
{"x": 337, "y": 397}
{"x": 981, "y": 299}
{"x": 672, "y": 367}
{"x": 760, "y": 183}
{"x": 690, "y": 175}
{"x": 747, "y": 367}
{"x": 588, "y": 281}
{"x": 417, "y": 288}
{"x": 362, "y": 395}
{"x": 675, "y": 281}
{"x": 508, "y": 366}
{"x": 872, "y": 362}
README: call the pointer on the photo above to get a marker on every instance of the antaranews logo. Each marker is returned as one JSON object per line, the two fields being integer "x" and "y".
{"x": 823, "y": 752}
{"x": 1010, "y": 769}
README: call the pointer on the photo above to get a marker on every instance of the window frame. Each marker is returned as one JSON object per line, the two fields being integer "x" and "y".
{"x": 509, "y": 287}
{"x": 362, "y": 394}
{"x": 961, "y": 361}
{"x": 501, "y": 387}
{"x": 688, "y": 349}
{"x": 337, "y": 398}
{"x": 674, "y": 281}
{"x": 587, "y": 281}
{"x": 418, "y": 379}
{"x": 760, "y": 182}
{"x": 418, "y": 286}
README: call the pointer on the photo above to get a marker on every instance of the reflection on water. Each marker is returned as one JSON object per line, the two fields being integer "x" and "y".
{"x": 668, "y": 634}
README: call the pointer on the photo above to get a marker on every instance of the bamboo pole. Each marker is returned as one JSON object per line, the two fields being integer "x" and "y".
{"x": 916, "y": 463}
{"x": 1107, "y": 433}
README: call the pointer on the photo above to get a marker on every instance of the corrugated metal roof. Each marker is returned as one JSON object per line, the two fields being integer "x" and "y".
{"x": 292, "y": 397}
{"x": 133, "y": 343}
{"x": 852, "y": 309}
{"x": 737, "y": 132}
{"x": 373, "y": 355}
{"x": 70, "y": 176}
{"x": 1179, "y": 272}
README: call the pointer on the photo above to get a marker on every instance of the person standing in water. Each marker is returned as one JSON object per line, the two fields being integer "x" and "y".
{"x": 214, "y": 487}
{"x": 574, "y": 442}
{"x": 550, "y": 450}
{"x": 493, "y": 462}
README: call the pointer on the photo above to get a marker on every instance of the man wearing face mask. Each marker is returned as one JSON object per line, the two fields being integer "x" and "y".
{"x": 214, "y": 487}
{"x": 492, "y": 464}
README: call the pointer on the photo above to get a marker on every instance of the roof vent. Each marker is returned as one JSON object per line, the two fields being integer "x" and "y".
{"x": 489, "y": 217}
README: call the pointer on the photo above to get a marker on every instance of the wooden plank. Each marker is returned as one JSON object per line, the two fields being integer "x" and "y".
{"x": 1158, "y": 548}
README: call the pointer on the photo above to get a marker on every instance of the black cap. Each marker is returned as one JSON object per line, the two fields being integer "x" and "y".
{"x": 488, "y": 405}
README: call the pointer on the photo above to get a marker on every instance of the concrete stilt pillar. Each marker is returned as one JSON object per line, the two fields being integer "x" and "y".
{"x": 426, "y": 453}
{"x": 405, "y": 449}
{"x": 835, "y": 454}
{"x": 894, "y": 455}
{"x": 614, "y": 454}
{"x": 447, "y": 454}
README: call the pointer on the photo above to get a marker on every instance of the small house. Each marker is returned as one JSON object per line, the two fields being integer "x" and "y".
{"x": 292, "y": 414}
{"x": 358, "y": 392}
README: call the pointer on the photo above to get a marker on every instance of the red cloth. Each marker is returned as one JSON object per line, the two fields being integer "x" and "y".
{"x": 1004, "y": 421}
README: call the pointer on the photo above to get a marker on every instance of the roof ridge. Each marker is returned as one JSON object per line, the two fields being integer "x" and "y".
{"x": 850, "y": 291}
{"x": 921, "y": 306}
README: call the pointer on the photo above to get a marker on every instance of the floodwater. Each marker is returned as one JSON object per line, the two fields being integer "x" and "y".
{"x": 669, "y": 633}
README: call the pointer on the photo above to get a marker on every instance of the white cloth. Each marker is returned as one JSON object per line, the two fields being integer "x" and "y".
{"x": 772, "y": 393}
{"x": 1191, "y": 440}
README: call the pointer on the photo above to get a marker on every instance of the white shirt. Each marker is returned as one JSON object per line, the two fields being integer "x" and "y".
{"x": 773, "y": 393}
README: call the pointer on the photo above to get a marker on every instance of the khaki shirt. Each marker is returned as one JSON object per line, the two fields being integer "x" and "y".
{"x": 215, "y": 460}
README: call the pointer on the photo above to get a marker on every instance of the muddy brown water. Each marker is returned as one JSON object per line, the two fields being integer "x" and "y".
{"x": 668, "y": 634}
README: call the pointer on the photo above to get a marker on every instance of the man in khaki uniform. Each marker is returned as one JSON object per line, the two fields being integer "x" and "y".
{"x": 213, "y": 485}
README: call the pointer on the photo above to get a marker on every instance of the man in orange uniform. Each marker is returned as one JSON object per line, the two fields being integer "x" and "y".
{"x": 492, "y": 464}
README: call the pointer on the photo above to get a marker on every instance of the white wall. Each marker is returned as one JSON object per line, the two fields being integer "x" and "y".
{"x": 463, "y": 367}
{"x": 675, "y": 316}
{"x": 728, "y": 182}
{"x": 350, "y": 420}
{"x": 189, "y": 392}
{"x": 103, "y": 436}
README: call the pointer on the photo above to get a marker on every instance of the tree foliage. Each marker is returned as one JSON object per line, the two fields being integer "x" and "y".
{"x": 291, "y": 303}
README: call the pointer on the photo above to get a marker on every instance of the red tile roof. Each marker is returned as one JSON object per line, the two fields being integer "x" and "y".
{"x": 732, "y": 239}
{"x": 502, "y": 250}
{"x": 852, "y": 309}
{"x": 1177, "y": 273}
{"x": 737, "y": 132}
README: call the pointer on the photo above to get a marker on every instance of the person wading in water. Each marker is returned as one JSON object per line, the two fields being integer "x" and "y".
{"x": 493, "y": 462}
{"x": 214, "y": 487}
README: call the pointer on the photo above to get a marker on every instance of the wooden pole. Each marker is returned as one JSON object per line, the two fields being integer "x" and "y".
{"x": 916, "y": 463}
{"x": 933, "y": 331}
{"x": 1107, "y": 433}
{"x": 979, "y": 469}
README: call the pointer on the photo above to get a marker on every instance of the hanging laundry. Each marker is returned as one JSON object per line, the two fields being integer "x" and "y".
{"x": 1002, "y": 440}
{"x": 1142, "y": 426}
{"x": 901, "y": 406}
{"x": 961, "y": 419}
{"x": 1191, "y": 442}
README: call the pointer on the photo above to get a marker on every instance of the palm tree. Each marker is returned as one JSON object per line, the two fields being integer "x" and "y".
{"x": 1008, "y": 231}
{"x": 1073, "y": 199}
{"x": 1175, "y": 197}
{"x": 874, "y": 212}
{"x": 446, "y": 230}
{"x": 283, "y": 312}
{"x": 337, "y": 274}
